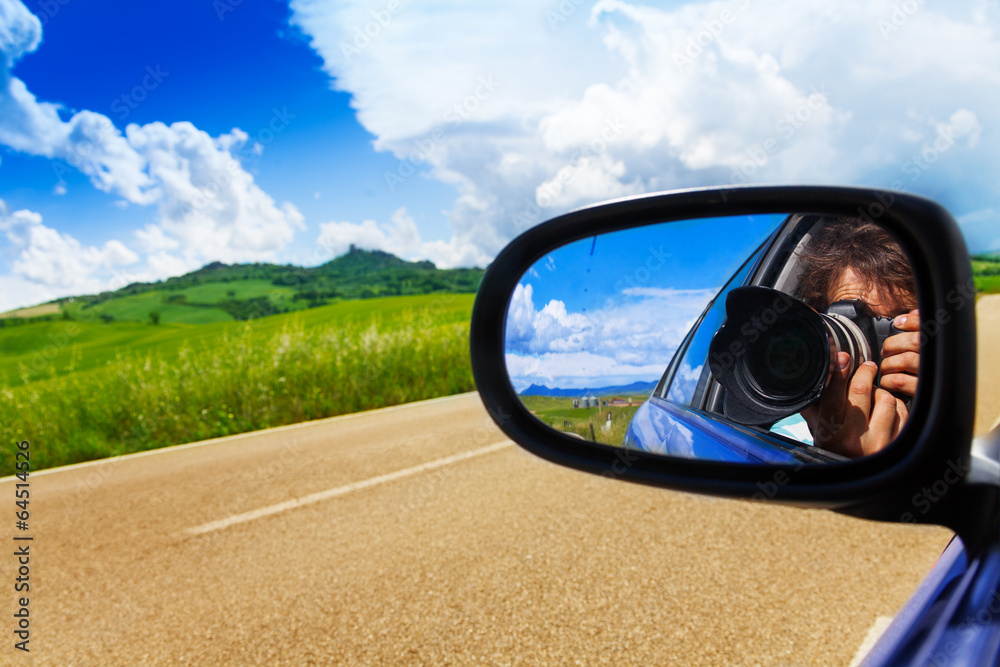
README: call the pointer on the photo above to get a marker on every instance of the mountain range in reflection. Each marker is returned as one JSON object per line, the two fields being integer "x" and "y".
{"x": 636, "y": 388}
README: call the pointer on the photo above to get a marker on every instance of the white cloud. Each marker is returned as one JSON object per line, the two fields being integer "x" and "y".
{"x": 152, "y": 239}
{"x": 631, "y": 338}
{"x": 21, "y": 33}
{"x": 963, "y": 124}
{"x": 622, "y": 98}
{"x": 209, "y": 207}
{"x": 162, "y": 264}
{"x": 18, "y": 292}
{"x": 685, "y": 382}
{"x": 47, "y": 264}
{"x": 208, "y": 201}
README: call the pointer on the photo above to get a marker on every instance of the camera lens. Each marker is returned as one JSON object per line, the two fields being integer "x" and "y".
{"x": 785, "y": 362}
{"x": 786, "y": 357}
{"x": 772, "y": 355}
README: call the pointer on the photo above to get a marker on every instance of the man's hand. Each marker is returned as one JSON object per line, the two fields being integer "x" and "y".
{"x": 845, "y": 420}
{"x": 901, "y": 356}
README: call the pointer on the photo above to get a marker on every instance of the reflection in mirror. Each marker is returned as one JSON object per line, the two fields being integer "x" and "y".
{"x": 729, "y": 339}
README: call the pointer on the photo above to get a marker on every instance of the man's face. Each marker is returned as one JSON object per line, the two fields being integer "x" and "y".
{"x": 850, "y": 286}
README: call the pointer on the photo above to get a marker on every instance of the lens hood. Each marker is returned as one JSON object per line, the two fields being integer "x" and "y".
{"x": 772, "y": 355}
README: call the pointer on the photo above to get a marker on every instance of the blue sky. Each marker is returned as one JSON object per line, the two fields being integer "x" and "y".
{"x": 216, "y": 74}
{"x": 612, "y": 310}
{"x": 143, "y": 140}
{"x": 587, "y": 274}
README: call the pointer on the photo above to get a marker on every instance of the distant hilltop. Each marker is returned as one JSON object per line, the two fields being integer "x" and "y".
{"x": 219, "y": 291}
{"x": 636, "y": 388}
{"x": 356, "y": 274}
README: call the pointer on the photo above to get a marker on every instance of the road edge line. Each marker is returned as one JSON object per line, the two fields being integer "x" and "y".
{"x": 875, "y": 632}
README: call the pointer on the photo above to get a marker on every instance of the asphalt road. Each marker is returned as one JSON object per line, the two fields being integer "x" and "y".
{"x": 420, "y": 535}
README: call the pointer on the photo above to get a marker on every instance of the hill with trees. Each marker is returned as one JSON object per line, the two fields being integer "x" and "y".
{"x": 222, "y": 292}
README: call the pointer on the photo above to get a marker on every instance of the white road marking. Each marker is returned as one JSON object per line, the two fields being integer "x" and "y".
{"x": 341, "y": 490}
{"x": 249, "y": 434}
{"x": 874, "y": 633}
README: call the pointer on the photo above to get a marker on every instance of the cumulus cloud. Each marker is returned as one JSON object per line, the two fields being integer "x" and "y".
{"x": 47, "y": 264}
{"x": 609, "y": 98}
{"x": 209, "y": 207}
{"x": 207, "y": 201}
{"x": 632, "y": 338}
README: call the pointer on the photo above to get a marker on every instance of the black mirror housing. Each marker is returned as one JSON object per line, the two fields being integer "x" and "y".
{"x": 891, "y": 485}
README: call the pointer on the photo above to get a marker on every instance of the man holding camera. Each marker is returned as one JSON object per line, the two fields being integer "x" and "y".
{"x": 856, "y": 415}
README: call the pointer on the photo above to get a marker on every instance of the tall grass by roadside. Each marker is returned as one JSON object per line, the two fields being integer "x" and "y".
{"x": 247, "y": 381}
{"x": 588, "y": 423}
{"x": 596, "y": 427}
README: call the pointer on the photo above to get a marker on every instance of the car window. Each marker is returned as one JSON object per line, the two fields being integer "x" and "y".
{"x": 691, "y": 373}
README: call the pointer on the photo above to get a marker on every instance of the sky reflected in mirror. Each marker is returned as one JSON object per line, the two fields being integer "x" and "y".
{"x": 611, "y": 310}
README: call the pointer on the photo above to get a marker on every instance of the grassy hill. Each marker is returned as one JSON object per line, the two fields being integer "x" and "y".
{"x": 225, "y": 292}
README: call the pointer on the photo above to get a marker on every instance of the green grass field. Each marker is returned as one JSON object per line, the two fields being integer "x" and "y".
{"x": 986, "y": 273}
{"x": 989, "y": 284}
{"x": 244, "y": 289}
{"x": 44, "y": 350}
{"x": 560, "y": 414}
{"x": 107, "y": 389}
{"x": 137, "y": 308}
{"x": 196, "y": 304}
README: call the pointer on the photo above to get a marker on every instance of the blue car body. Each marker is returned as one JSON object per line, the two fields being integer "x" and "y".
{"x": 662, "y": 427}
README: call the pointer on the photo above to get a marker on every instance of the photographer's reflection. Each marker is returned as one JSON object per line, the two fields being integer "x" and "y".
{"x": 848, "y": 259}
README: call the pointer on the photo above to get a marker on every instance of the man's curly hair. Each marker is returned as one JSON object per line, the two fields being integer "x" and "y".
{"x": 870, "y": 251}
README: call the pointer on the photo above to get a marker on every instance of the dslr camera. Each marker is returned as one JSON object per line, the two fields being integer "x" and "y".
{"x": 774, "y": 355}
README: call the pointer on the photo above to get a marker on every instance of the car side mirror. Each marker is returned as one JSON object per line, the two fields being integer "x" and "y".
{"x": 708, "y": 341}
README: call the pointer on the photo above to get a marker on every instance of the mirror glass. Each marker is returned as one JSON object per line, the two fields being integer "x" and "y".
{"x": 729, "y": 339}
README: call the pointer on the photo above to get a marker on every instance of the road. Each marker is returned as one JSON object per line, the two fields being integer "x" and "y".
{"x": 420, "y": 535}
